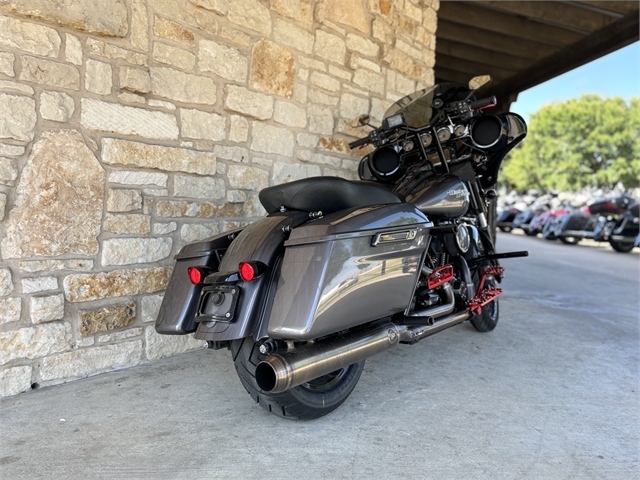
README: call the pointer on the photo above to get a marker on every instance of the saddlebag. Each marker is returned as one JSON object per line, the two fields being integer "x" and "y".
{"x": 176, "y": 316}
{"x": 346, "y": 269}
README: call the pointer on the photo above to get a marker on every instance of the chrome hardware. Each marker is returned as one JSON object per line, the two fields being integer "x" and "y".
{"x": 404, "y": 236}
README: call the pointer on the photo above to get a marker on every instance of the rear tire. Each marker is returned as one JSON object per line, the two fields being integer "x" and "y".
{"x": 622, "y": 247}
{"x": 304, "y": 402}
{"x": 505, "y": 229}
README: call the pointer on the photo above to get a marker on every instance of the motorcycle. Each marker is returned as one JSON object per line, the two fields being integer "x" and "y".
{"x": 505, "y": 219}
{"x": 342, "y": 270}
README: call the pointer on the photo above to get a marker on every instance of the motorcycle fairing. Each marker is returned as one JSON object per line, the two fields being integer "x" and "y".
{"x": 346, "y": 269}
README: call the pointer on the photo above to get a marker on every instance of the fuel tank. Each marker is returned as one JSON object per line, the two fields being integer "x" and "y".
{"x": 441, "y": 196}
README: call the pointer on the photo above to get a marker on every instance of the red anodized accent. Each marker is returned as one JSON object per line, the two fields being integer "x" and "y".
{"x": 440, "y": 276}
{"x": 485, "y": 296}
{"x": 195, "y": 275}
{"x": 246, "y": 271}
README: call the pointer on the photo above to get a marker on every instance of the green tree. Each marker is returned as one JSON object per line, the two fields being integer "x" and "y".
{"x": 580, "y": 142}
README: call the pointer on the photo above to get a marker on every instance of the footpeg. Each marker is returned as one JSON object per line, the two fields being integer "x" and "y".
{"x": 483, "y": 296}
{"x": 440, "y": 276}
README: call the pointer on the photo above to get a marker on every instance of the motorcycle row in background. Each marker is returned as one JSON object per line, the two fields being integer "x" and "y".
{"x": 610, "y": 217}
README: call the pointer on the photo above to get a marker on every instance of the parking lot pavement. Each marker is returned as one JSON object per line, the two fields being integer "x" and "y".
{"x": 551, "y": 393}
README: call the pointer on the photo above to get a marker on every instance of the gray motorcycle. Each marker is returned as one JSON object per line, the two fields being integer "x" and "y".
{"x": 342, "y": 270}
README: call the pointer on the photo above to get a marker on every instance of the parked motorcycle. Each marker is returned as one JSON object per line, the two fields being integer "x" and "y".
{"x": 342, "y": 270}
{"x": 505, "y": 219}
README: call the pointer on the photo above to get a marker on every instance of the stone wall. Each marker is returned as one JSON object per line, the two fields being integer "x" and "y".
{"x": 131, "y": 127}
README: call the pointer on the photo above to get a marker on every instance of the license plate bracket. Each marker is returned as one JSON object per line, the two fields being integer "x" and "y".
{"x": 218, "y": 303}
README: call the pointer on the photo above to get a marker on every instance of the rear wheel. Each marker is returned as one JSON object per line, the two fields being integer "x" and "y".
{"x": 623, "y": 247}
{"x": 304, "y": 402}
{"x": 505, "y": 229}
{"x": 570, "y": 240}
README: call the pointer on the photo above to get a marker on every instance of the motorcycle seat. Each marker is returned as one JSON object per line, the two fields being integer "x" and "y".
{"x": 325, "y": 194}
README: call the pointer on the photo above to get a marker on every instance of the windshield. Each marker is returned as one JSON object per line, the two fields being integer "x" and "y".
{"x": 417, "y": 107}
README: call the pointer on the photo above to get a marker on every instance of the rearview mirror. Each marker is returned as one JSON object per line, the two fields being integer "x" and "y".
{"x": 361, "y": 121}
{"x": 476, "y": 82}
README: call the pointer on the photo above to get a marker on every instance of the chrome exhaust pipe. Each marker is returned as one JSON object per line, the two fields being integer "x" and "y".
{"x": 280, "y": 372}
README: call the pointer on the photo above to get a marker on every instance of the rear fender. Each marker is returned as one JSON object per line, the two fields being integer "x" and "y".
{"x": 262, "y": 241}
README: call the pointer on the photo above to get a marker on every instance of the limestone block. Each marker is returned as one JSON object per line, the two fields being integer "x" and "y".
{"x": 124, "y": 152}
{"x": 102, "y": 49}
{"x": 288, "y": 172}
{"x": 111, "y": 117}
{"x": 17, "y": 87}
{"x": 383, "y": 7}
{"x": 272, "y": 69}
{"x": 46, "y": 309}
{"x": 10, "y": 309}
{"x": 325, "y": 81}
{"x": 172, "y": 31}
{"x": 198, "y": 187}
{"x": 73, "y": 50}
{"x": 288, "y": 34}
{"x": 8, "y": 171}
{"x": 160, "y": 104}
{"x": 203, "y": 125}
{"x": 11, "y": 150}
{"x": 47, "y": 72}
{"x": 378, "y": 108}
{"x": 84, "y": 362}
{"x": 362, "y": 45}
{"x": 250, "y": 14}
{"x": 332, "y": 144}
{"x": 236, "y": 154}
{"x": 340, "y": 72}
{"x": 221, "y": 7}
{"x": 39, "y": 284}
{"x": 330, "y": 172}
{"x": 151, "y": 307}
{"x": 127, "y": 223}
{"x": 3, "y": 205}
{"x": 320, "y": 120}
{"x": 249, "y": 178}
{"x": 170, "y": 55}
{"x": 98, "y": 77}
{"x": 290, "y": 114}
{"x": 191, "y": 232}
{"x": 29, "y": 37}
{"x": 397, "y": 60}
{"x": 270, "y": 139}
{"x": 316, "y": 96}
{"x": 182, "y": 87}
{"x": 127, "y": 251}
{"x": 351, "y": 106}
{"x": 113, "y": 337}
{"x": 55, "y": 265}
{"x": 135, "y": 79}
{"x": 127, "y": 97}
{"x": 235, "y": 36}
{"x": 227, "y": 62}
{"x": 105, "y": 319}
{"x": 246, "y": 102}
{"x": 369, "y": 81}
{"x": 330, "y": 46}
{"x": 312, "y": 63}
{"x": 34, "y": 342}
{"x": 382, "y": 31}
{"x": 238, "y": 129}
{"x": 56, "y": 106}
{"x": 136, "y": 177}
{"x": 160, "y": 346}
{"x": 6, "y": 64}
{"x": 253, "y": 207}
{"x": 175, "y": 208}
{"x": 124, "y": 200}
{"x": 300, "y": 11}
{"x": 236, "y": 196}
{"x": 104, "y": 18}
{"x": 164, "y": 228}
{"x": 118, "y": 283}
{"x": 14, "y": 380}
{"x": 17, "y": 117}
{"x": 348, "y": 12}
{"x": 307, "y": 140}
{"x": 139, "y": 25}
{"x": 61, "y": 183}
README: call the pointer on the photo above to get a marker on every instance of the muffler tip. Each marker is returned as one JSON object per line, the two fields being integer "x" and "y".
{"x": 265, "y": 376}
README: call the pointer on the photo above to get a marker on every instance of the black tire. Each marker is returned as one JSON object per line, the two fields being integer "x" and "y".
{"x": 530, "y": 232}
{"x": 570, "y": 240}
{"x": 304, "y": 402}
{"x": 488, "y": 319}
{"x": 622, "y": 247}
{"x": 505, "y": 229}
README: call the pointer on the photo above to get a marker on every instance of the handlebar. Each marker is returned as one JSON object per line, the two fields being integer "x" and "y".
{"x": 360, "y": 142}
{"x": 483, "y": 103}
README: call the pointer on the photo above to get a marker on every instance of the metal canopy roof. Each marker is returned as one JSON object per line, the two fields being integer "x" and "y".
{"x": 524, "y": 43}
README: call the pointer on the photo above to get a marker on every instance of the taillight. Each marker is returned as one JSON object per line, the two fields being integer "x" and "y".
{"x": 247, "y": 271}
{"x": 196, "y": 275}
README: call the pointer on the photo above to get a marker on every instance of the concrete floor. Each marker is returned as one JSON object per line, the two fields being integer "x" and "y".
{"x": 551, "y": 393}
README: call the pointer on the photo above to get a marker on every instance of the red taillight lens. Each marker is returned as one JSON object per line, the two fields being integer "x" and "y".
{"x": 195, "y": 275}
{"x": 246, "y": 271}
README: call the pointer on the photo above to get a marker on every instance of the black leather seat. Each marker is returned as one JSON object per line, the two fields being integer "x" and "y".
{"x": 325, "y": 194}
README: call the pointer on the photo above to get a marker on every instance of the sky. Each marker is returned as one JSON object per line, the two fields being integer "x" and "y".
{"x": 613, "y": 75}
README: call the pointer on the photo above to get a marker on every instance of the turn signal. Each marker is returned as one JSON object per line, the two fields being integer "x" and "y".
{"x": 246, "y": 271}
{"x": 196, "y": 275}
